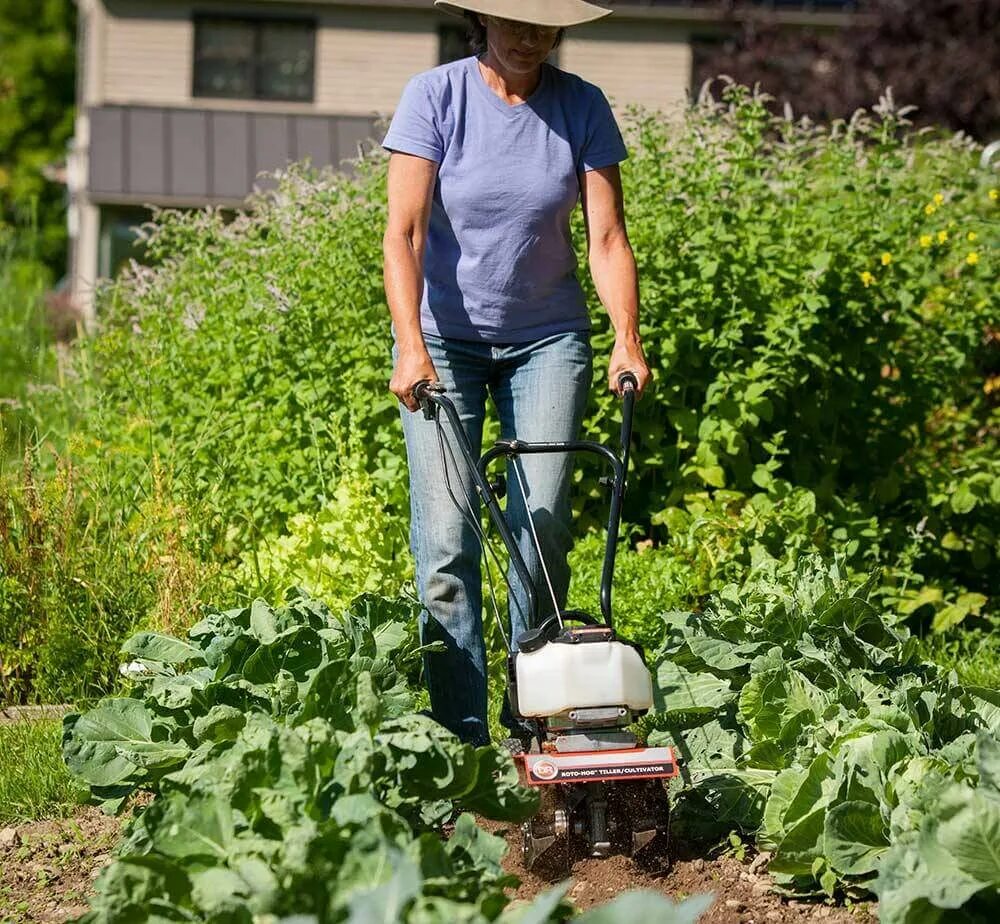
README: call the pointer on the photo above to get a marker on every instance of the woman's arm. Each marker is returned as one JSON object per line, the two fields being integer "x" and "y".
{"x": 410, "y": 191}
{"x": 612, "y": 266}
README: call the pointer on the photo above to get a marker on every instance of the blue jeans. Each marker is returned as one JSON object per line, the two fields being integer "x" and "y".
{"x": 540, "y": 391}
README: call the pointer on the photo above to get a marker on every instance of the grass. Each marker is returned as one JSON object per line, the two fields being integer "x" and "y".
{"x": 974, "y": 655}
{"x": 34, "y": 781}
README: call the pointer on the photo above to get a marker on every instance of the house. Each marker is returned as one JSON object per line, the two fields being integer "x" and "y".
{"x": 183, "y": 102}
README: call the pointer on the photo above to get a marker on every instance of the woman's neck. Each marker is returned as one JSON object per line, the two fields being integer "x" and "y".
{"x": 511, "y": 87}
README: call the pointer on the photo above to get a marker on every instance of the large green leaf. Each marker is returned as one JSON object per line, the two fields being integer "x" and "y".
{"x": 199, "y": 825}
{"x": 679, "y": 690}
{"x": 918, "y": 879}
{"x": 718, "y": 654}
{"x": 801, "y": 845}
{"x": 298, "y": 650}
{"x": 855, "y": 838}
{"x": 988, "y": 763}
{"x": 96, "y": 744}
{"x": 220, "y": 891}
{"x": 498, "y": 792}
{"x": 155, "y": 646}
{"x": 969, "y": 831}
{"x": 386, "y": 902}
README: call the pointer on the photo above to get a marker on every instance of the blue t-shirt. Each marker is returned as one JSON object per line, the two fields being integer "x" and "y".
{"x": 499, "y": 263}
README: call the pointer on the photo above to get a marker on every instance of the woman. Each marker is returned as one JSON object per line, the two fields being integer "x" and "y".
{"x": 489, "y": 156}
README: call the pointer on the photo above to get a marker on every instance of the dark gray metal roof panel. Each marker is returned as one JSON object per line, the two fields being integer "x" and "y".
{"x": 151, "y": 154}
{"x": 314, "y": 139}
{"x": 230, "y": 157}
{"x": 271, "y": 146}
{"x": 107, "y": 168}
{"x": 147, "y": 163}
{"x": 188, "y": 154}
{"x": 352, "y": 132}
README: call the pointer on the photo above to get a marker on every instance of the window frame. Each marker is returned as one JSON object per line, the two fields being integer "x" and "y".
{"x": 258, "y": 22}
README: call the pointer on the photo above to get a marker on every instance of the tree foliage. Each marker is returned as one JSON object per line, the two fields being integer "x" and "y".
{"x": 939, "y": 55}
{"x": 37, "y": 65}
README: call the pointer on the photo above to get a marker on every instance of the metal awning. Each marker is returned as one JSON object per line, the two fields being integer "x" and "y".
{"x": 181, "y": 156}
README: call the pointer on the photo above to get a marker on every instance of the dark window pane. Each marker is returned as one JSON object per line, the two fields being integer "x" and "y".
{"x": 254, "y": 59}
{"x": 224, "y": 59}
{"x": 285, "y": 66}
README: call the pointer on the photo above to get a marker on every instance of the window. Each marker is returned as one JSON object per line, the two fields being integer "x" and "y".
{"x": 118, "y": 242}
{"x": 254, "y": 58}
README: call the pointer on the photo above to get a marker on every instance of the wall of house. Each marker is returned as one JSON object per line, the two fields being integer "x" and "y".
{"x": 364, "y": 56}
{"x": 646, "y": 62}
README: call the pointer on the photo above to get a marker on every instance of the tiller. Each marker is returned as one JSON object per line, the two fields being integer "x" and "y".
{"x": 572, "y": 680}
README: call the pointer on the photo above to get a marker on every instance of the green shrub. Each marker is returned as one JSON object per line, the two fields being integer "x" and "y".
{"x": 812, "y": 311}
{"x": 818, "y": 327}
{"x": 350, "y": 545}
{"x": 28, "y": 364}
{"x": 83, "y": 564}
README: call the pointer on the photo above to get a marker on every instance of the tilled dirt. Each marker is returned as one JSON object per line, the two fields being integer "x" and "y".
{"x": 47, "y": 868}
{"x": 742, "y": 890}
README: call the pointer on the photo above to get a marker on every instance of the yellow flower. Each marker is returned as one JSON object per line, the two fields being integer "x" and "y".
{"x": 938, "y": 198}
{"x": 929, "y": 209}
{"x": 867, "y": 278}
{"x": 886, "y": 258}
{"x": 926, "y": 240}
{"x": 971, "y": 236}
{"x": 995, "y": 194}
{"x": 942, "y": 236}
{"x": 972, "y": 259}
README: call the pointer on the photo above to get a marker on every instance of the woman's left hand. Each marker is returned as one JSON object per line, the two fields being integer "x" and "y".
{"x": 627, "y": 356}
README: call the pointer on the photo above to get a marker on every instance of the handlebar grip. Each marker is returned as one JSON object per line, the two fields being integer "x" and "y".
{"x": 627, "y": 382}
{"x": 425, "y": 387}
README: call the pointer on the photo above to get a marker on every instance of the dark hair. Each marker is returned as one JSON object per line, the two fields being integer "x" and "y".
{"x": 476, "y": 33}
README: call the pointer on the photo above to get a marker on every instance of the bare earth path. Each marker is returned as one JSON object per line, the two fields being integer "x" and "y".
{"x": 47, "y": 869}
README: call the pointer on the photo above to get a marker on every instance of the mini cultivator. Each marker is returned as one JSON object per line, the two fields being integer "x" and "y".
{"x": 578, "y": 687}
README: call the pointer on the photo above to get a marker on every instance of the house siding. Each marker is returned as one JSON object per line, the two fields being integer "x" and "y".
{"x": 647, "y": 63}
{"x": 364, "y": 56}
{"x": 147, "y": 54}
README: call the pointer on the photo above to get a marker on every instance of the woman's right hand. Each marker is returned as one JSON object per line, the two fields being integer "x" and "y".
{"x": 412, "y": 366}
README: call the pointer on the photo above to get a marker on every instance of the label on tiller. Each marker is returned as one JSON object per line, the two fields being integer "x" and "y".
{"x": 594, "y": 766}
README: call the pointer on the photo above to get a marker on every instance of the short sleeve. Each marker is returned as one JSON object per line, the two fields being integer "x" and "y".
{"x": 414, "y": 129}
{"x": 604, "y": 145}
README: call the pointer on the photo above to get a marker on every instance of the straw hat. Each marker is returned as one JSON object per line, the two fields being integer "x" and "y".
{"x": 539, "y": 12}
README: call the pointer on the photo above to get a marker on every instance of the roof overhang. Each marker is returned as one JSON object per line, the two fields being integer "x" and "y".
{"x": 806, "y": 13}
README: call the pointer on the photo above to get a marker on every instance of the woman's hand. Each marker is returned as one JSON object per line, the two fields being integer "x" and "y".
{"x": 627, "y": 356}
{"x": 412, "y": 365}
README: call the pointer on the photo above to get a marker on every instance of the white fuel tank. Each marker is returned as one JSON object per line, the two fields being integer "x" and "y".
{"x": 558, "y": 677}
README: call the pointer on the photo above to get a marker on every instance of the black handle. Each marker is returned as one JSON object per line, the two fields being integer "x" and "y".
{"x": 627, "y": 382}
{"x": 422, "y": 392}
{"x": 628, "y": 385}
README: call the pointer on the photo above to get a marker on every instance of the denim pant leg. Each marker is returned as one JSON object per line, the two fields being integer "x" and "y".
{"x": 444, "y": 544}
{"x": 541, "y": 394}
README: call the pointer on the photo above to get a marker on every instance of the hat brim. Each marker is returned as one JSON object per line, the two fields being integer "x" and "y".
{"x": 557, "y": 13}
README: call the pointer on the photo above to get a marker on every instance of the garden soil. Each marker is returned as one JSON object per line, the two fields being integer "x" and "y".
{"x": 47, "y": 869}
{"x": 743, "y": 890}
